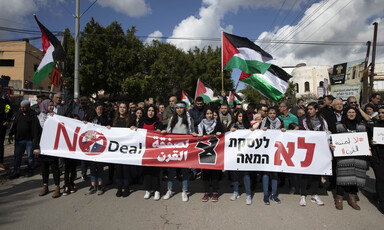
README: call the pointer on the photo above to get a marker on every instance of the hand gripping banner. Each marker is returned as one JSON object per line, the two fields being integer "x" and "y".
{"x": 305, "y": 152}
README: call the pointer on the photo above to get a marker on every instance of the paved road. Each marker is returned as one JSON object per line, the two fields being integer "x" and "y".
{"x": 22, "y": 208}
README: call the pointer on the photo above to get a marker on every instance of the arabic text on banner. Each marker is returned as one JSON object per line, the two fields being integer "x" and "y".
{"x": 351, "y": 144}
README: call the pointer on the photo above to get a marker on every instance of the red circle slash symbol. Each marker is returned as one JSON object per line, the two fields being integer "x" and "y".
{"x": 88, "y": 142}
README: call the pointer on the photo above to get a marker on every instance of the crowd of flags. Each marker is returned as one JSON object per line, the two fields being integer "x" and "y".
{"x": 256, "y": 65}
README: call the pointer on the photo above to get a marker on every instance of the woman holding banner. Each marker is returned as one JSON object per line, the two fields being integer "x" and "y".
{"x": 122, "y": 171}
{"x": 150, "y": 121}
{"x": 180, "y": 123}
{"x": 271, "y": 122}
{"x": 46, "y": 111}
{"x": 210, "y": 126}
{"x": 315, "y": 122}
{"x": 350, "y": 171}
{"x": 241, "y": 122}
{"x": 97, "y": 116}
{"x": 377, "y": 161}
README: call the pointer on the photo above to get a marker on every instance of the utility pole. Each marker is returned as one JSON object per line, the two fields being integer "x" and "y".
{"x": 365, "y": 79}
{"x": 375, "y": 24}
{"x": 77, "y": 45}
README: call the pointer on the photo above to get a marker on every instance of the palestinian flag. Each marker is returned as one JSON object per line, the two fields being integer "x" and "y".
{"x": 53, "y": 52}
{"x": 234, "y": 97}
{"x": 272, "y": 84}
{"x": 187, "y": 99}
{"x": 240, "y": 52}
{"x": 205, "y": 91}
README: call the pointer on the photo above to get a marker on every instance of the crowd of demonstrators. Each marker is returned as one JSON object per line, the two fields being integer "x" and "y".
{"x": 331, "y": 116}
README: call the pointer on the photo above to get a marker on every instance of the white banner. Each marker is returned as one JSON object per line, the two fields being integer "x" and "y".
{"x": 378, "y": 135}
{"x": 351, "y": 144}
{"x": 305, "y": 152}
{"x": 71, "y": 138}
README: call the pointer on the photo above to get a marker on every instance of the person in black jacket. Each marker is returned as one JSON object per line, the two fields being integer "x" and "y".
{"x": 122, "y": 119}
{"x": 5, "y": 118}
{"x": 25, "y": 128}
{"x": 377, "y": 161}
{"x": 97, "y": 116}
{"x": 151, "y": 181}
{"x": 210, "y": 126}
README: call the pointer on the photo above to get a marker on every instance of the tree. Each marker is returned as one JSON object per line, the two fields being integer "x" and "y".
{"x": 120, "y": 64}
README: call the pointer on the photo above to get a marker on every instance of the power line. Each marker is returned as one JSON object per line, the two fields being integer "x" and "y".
{"x": 294, "y": 31}
{"x": 286, "y": 16}
{"x": 305, "y": 26}
{"x": 277, "y": 15}
{"x": 298, "y": 16}
{"x": 293, "y": 42}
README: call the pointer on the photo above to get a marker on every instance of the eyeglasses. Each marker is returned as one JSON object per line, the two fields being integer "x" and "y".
{"x": 265, "y": 110}
{"x": 381, "y": 112}
{"x": 353, "y": 102}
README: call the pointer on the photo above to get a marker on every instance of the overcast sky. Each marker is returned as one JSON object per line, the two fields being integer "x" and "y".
{"x": 343, "y": 21}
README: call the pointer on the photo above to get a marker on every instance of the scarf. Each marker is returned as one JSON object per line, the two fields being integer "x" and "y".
{"x": 272, "y": 124}
{"x": 207, "y": 125}
{"x": 316, "y": 124}
{"x": 239, "y": 125}
{"x": 44, "y": 106}
{"x": 350, "y": 124}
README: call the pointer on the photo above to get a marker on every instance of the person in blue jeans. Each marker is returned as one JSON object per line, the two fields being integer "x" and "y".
{"x": 25, "y": 128}
{"x": 271, "y": 121}
{"x": 241, "y": 122}
{"x": 180, "y": 123}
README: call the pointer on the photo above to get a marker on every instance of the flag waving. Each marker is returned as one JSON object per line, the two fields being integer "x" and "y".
{"x": 272, "y": 84}
{"x": 205, "y": 91}
{"x": 186, "y": 98}
{"x": 241, "y": 53}
{"x": 234, "y": 97}
{"x": 53, "y": 52}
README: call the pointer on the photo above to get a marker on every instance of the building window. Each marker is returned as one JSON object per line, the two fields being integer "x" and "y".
{"x": 7, "y": 62}
{"x": 306, "y": 86}
{"x": 297, "y": 87}
{"x": 321, "y": 84}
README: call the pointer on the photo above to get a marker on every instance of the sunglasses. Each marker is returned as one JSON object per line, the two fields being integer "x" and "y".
{"x": 353, "y": 102}
{"x": 381, "y": 112}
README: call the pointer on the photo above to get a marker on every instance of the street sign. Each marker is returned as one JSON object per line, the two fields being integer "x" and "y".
{"x": 339, "y": 73}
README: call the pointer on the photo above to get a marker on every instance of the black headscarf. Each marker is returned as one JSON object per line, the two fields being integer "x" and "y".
{"x": 350, "y": 124}
{"x": 147, "y": 120}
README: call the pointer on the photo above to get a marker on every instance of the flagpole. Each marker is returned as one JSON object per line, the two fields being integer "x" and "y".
{"x": 197, "y": 85}
{"x": 222, "y": 71}
{"x": 233, "y": 95}
{"x": 77, "y": 48}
